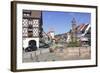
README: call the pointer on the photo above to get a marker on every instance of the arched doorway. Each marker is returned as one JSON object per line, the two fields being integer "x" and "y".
{"x": 31, "y": 46}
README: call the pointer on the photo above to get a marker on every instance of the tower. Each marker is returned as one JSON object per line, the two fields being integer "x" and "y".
{"x": 74, "y": 30}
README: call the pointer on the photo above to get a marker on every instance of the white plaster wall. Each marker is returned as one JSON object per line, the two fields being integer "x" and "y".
{"x": 52, "y": 34}
{"x": 68, "y": 38}
{"x": 26, "y": 40}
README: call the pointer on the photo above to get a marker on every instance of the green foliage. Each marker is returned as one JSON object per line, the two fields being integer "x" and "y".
{"x": 74, "y": 44}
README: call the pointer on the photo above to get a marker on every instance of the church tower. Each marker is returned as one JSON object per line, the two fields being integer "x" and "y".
{"x": 74, "y": 30}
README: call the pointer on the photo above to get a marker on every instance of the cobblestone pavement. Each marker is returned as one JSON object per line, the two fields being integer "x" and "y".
{"x": 43, "y": 55}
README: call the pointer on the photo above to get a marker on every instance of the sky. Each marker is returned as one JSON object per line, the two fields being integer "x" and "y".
{"x": 60, "y": 22}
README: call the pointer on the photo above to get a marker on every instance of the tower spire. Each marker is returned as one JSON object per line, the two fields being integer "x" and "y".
{"x": 73, "y": 20}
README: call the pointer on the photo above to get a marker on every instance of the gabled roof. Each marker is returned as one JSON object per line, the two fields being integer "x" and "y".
{"x": 82, "y": 27}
